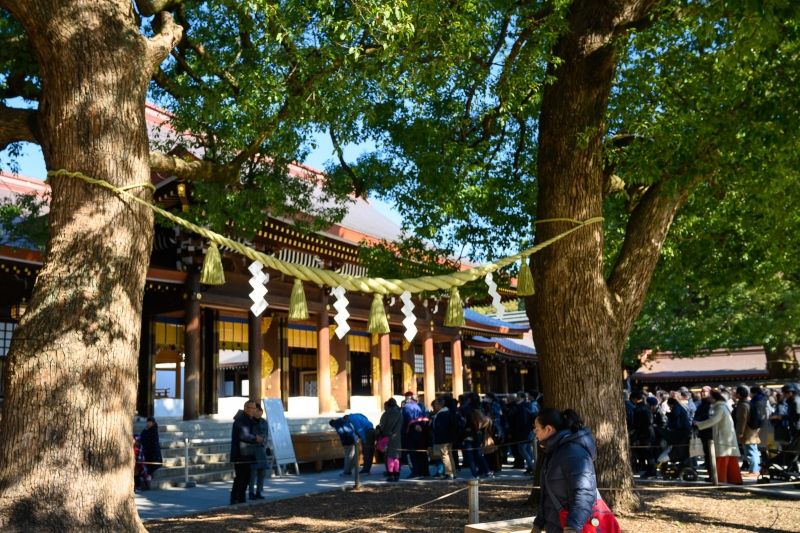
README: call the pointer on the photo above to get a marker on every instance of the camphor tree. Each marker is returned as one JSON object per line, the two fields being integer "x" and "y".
{"x": 489, "y": 114}
{"x": 248, "y": 79}
{"x": 728, "y": 277}
{"x": 519, "y": 118}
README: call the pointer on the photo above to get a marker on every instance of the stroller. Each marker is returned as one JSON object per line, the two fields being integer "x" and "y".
{"x": 674, "y": 461}
{"x": 783, "y": 465}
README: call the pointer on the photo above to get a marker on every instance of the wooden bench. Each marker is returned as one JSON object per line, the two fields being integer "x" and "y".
{"x": 317, "y": 447}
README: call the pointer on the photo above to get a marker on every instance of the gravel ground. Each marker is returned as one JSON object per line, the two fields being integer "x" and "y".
{"x": 369, "y": 511}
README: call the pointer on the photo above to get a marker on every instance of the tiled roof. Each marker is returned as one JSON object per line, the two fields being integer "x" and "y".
{"x": 483, "y": 320}
{"x": 745, "y": 363}
{"x": 523, "y": 347}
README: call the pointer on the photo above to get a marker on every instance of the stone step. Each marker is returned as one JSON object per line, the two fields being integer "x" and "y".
{"x": 194, "y": 470}
{"x": 178, "y": 480}
{"x": 209, "y": 425}
{"x": 208, "y": 457}
{"x": 175, "y": 440}
{"x": 196, "y": 449}
{"x": 196, "y": 459}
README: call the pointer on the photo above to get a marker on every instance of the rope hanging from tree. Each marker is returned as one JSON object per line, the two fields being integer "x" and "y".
{"x": 213, "y": 274}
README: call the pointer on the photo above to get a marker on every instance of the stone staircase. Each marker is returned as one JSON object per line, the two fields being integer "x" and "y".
{"x": 209, "y": 448}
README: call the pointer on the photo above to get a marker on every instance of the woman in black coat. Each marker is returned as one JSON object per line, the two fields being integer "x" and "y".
{"x": 568, "y": 479}
{"x": 151, "y": 446}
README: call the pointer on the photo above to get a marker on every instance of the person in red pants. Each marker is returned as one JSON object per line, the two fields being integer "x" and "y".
{"x": 727, "y": 449}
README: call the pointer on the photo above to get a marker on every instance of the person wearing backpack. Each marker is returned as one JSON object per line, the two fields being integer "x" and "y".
{"x": 748, "y": 425}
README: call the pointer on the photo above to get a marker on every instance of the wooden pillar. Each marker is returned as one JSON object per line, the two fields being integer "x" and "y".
{"x": 375, "y": 364}
{"x": 324, "y": 356}
{"x": 455, "y": 358}
{"x": 503, "y": 368}
{"x": 430, "y": 376}
{"x": 210, "y": 370}
{"x": 438, "y": 366}
{"x": 255, "y": 344}
{"x": 191, "y": 393}
{"x": 271, "y": 359}
{"x": 386, "y": 366}
{"x": 147, "y": 374}
{"x": 283, "y": 346}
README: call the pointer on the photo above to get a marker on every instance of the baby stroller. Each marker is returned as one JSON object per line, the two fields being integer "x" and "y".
{"x": 783, "y": 465}
{"x": 674, "y": 461}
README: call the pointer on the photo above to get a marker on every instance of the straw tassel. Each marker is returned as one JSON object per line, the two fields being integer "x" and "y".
{"x": 377, "y": 316}
{"x": 525, "y": 280}
{"x": 212, "y": 273}
{"x": 298, "y": 308}
{"x": 455, "y": 310}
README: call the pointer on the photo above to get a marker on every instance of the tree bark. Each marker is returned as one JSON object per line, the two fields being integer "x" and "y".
{"x": 574, "y": 315}
{"x": 66, "y": 458}
{"x": 781, "y": 360}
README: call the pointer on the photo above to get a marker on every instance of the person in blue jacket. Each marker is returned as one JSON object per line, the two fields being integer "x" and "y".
{"x": 568, "y": 478}
{"x": 347, "y": 436}
{"x": 365, "y": 432}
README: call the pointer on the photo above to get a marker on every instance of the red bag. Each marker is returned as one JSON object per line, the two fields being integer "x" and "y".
{"x": 601, "y": 521}
{"x": 382, "y": 443}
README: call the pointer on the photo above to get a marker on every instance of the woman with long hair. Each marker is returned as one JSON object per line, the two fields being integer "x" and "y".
{"x": 569, "y": 500}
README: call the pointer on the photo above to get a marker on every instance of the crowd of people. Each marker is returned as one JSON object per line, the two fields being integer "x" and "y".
{"x": 483, "y": 434}
{"x": 745, "y": 424}
{"x": 477, "y": 433}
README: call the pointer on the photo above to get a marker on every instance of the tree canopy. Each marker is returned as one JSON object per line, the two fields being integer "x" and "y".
{"x": 487, "y": 116}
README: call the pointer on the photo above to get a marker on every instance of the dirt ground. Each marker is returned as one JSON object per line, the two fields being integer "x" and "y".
{"x": 432, "y": 507}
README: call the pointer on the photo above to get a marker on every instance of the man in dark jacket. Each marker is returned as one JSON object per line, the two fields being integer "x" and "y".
{"x": 642, "y": 436}
{"x": 151, "y": 445}
{"x": 791, "y": 396}
{"x": 242, "y": 434}
{"x": 444, "y": 427}
{"x": 703, "y": 413}
{"x": 521, "y": 425}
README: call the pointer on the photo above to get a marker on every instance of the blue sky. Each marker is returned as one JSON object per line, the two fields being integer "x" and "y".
{"x": 31, "y": 164}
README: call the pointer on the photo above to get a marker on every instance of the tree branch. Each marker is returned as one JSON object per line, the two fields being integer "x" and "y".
{"x": 159, "y": 46}
{"x": 644, "y": 236}
{"x": 162, "y": 80}
{"x": 200, "y": 50}
{"x": 17, "y": 85}
{"x": 193, "y": 170}
{"x": 358, "y": 183}
{"x": 18, "y": 125}
{"x": 148, "y": 8}
{"x": 184, "y": 66}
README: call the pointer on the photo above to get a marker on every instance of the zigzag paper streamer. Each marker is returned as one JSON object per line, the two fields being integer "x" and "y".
{"x": 258, "y": 281}
{"x": 500, "y": 311}
{"x": 341, "y": 312}
{"x": 410, "y": 319}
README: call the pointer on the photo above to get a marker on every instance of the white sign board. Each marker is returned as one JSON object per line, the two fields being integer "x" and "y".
{"x": 280, "y": 440}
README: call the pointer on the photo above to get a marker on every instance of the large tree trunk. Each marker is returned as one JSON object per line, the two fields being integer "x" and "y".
{"x": 66, "y": 457}
{"x": 578, "y": 325}
{"x": 781, "y": 360}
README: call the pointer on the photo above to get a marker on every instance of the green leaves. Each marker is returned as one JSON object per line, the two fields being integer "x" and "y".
{"x": 23, "y": 222}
